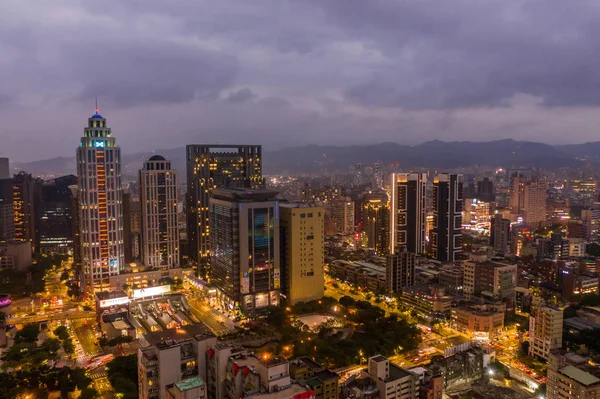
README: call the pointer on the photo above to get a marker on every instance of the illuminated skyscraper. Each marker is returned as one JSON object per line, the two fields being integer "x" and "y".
{"x": 528, "y": 200}
{"x": 158, "y": 199}
{"x": 408, "y": 221}
{"x": 447, "y": 217}
{"x": 245, "y": 256}
{"x": 375, "y": 224}
{"x": 100, "y": 205}
{"x": 26, "y": 197}
{"x": 210, "y": 167}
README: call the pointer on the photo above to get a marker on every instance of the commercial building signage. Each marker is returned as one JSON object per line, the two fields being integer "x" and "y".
{"x": 150, "y": 291}
{"x": 105, "y": 303}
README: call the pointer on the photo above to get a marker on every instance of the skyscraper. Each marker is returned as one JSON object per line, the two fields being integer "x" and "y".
{"x": 528, "y": 200}
{"x": 343, "y": 215}
{"x": 158, "y": 199}
{"x": 245, "y": 258}
{"x": 400, "y": 271}
{"x": 56, "y": 216}
{"x": 500, "y": 234}
{"x": 375, "y": 224}
{"x": 447, "y": 217}
{"x": 7, "y": 213}
{"x": 408, "y": 217}
{"x": 100, "y": 205}
{"x": 209, "y": 167}
{"x": 4, "y": 168}
{"x": 302, "y": 252}
{"x": 26, "y": 203}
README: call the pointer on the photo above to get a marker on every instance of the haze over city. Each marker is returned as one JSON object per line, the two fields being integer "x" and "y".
{"x": 297, "y": 72}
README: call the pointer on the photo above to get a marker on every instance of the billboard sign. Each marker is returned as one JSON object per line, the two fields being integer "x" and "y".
{"x": 105, "y": 303}
{"x": 150, "y": 291}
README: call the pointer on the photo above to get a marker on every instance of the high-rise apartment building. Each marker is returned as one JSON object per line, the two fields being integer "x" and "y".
{"x": 100, "y": 205}
{"x": 545, "y": 329}
{"x": 528, "y": 200}
{"x": 169, "y": 361}
{"x": 343, "y": 215}
{"x": 244, "y": 233}
{"x": 302, "y": 252}
{"x": 408, "y": 212}
{"x": 500, "y": 234}
{"x": 375, "y": 220}
{"x": 7, "y": 212}
{"x": 55, "y": 217}
{"x": 485, "y": 190}
{"x": 400, "y": 271}
{"x": 210, "y": 167}
{"x": 158, "y": 199}
{"x": 447, "y": 217}
{"x": 4, "y": 168}
{"x": 26, "y": 198}
{"x": 591, "y": 220}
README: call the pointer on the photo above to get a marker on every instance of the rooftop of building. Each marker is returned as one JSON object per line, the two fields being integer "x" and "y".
{"x": 190, "y": 383}
{"x": 157, "y": 158}
{"x": 314, "y": 366}
{"x": 102, "y": 296}
{"x": 197, "y": 331}
{"x": 244, "y": 194}
{"x": 292, "y": 391}
{"x": 582, "y": 374}
{"x": 378, "y": 358}
{"x": 579, "y": 323}
{"x": 477, "y": 311}
{"x": 397, "y": 372}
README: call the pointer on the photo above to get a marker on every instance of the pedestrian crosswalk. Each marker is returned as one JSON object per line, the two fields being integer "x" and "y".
{"x": 100, "y": 375}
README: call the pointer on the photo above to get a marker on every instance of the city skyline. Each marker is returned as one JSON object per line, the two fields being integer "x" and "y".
{"x": 324, "y": 72}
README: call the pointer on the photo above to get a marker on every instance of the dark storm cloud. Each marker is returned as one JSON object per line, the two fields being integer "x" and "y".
{"x": 241, "y": 96}
{"x": 289, "y": 72}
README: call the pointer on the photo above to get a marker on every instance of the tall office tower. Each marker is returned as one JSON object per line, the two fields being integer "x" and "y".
{"x": 4, "y": 168}
{"x": 26, "y": 197}
{"x": 75, "y": 229}
{"x": 408, "y": 217}
{"x": 545, "y": 329}
{"x": 375, "y": 224}
{"x": 302, "y": 252}
{"x": 127, "y": 235}
{"x": 485, "y": 190}
{"x": 100, "y": 205}
{"x": 528, "y": 200}
{"x": 135, "y": 214}
{"x": 209, "y": 167}
{"x": 55, "y": 216}
{"x": 158, "y": 198}
{"x": 244, "y": 237}
{"x": 343, "y": 215}
{"x": 500, "y": 234}
{"x": 7, "y": 212}
{"x": 400, "y": 271}
{"x": 447, "y": 217}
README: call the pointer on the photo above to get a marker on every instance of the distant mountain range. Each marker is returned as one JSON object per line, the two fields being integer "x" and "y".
{"x": 432, "y": 154}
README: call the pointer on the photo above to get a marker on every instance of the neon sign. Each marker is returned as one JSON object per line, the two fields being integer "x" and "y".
{"x": 99, "y": 144}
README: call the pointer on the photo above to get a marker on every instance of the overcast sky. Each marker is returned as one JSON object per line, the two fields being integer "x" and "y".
{"x": 278, "y": 73}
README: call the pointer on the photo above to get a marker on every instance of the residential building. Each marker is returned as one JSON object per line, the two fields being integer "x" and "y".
{"x": 447, "y": 214}
{"x": 545, "y": 329}
{"x": 429, "y": 302}
{"x": 491, "y": 279}
{"x": 408, "y": 212}
{"x": 324, "y": 383}
{"x": 4, "y": 168}
{"x": 364, "y": 274}
{"x": 55, "y": 223}
{"x": 528, "y": 200}
{"x": 158, "y": 200}
{"x": 572, "y": 376}
{"x": 191, "y": 388}
{"x": 210, "y": 167}
{"x": 302, "y": 252}
{"x": 500, "y": 234}
{"x": 100, "y": 205}
{"x": 245, "y": 258}
{"x": 400, "y": 271}
{"x": 7, "y": 212}
{"x": 451, "y": 277}
{"x": 392, "y": 381}
{"x": 169, "y": 361}
{"x": 343, "y": 216}
{"x": 26, "y": 198}
{"x": 375, "y": 224}
{"x": 462, "y": 364}
{"x": 591, "y": 220}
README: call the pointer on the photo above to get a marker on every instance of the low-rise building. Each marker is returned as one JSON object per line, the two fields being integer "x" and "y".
{"x": 364, "y": 274}
{"x": 323, "y": 382}
{"x": 392, "y": 381}
{"x": 464, "y": 366}
{"x": 451, "y": 278}
{"x": 135, "y": 277}
{"x": 192, "y": 388}
{"x": 478, "y": 321}
{"x": 169, "y": 361}
{"x": 429, "y": 302}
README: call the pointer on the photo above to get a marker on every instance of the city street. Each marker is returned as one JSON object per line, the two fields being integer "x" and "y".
{"x": 87, "y": 338}
{"x": 217, "y": 322}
